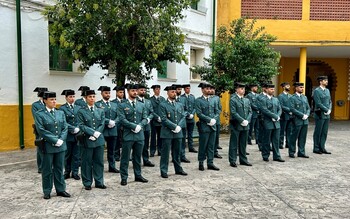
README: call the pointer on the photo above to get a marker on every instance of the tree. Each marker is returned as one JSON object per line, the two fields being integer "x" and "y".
{"x": 241, "y": 53}
{"x": 127, "y": 37}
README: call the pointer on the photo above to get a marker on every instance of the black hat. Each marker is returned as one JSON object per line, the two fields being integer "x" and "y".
{"x": 39, "y": 89}
{"x": 117, "y": 88}
{"x": 155, "y": 86}
{"x": 139, "y": 86}
{"x": 200, "y": 84}
{"x": 170, "y": 88}
{"x": 297, "y": 84}
{"x": 270, "y": 86}
{"x": 320, "y": 78}
{"x": 265, "y": 84}
{"x": 104, "y": 88}
{"x": 89, "y": 92}
{"x": 204, "y": 85}
{"x": 239, "y": 85}
{"x": 177, "y": 85}
{"x": 131, "y": 86}
{"x": 253, "y": 85}
{"x": 68, "y": 92}
{"x": 82, "y": 88}
{"x": 284, "y": 84}
{"x": 186, "y": 85}
{"x": 49, "y": 94}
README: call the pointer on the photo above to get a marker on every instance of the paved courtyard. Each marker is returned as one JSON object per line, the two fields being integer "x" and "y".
{"x": 318, "y": 187}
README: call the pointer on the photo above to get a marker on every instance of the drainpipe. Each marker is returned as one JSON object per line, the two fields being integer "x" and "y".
{"x": 214, "y": 24}
{"x": 20, "y": 75}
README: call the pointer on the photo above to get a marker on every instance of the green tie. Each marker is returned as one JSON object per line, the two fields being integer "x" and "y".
{"x": 92, "y": 109}
{"x": 52, "y": 113}
{"x": 133, "y": 104}
{"x": 107, "y": 103}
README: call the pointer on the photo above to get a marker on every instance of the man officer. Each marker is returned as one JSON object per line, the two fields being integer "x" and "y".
{"x": 173, "y": 118}
{"x": 156, "y": 124}
{"x": 254, "y": 123}
{"x": 283, "y": 98}
{"x": 241, "y": 114}
{"x": 300, "y": 108}
{"x": 217, "y": 101}
{"x": 82, "y": 101}
{"x": 323, "y": 109}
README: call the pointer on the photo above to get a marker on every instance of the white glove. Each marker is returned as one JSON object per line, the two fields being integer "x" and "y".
{"x": 92, "y": 138}
{"x": 137, "y": 129}
{"x": 76, "y": 130}
{"x": 97, "y": 134}
{"x": 305, "y": 117}
{"x": 212, "y": 122}
{"x": 190, "y": 116}
{"x": 290, "y": 113}
{"x": 278, "y": 119}
{"x": 177, "y": 129}
{"x": 274, "y": 120}
{"x": 59, "y": 143}
{"x": 111, "y": 123}
{"x": 148, "y": 120}
{"x": 328, "y": 112}
{"x": 244, "y": 123}
{"x": 159, "y": 119}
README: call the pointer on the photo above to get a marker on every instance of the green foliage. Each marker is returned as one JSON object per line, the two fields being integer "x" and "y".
{"x": 128, "y": 37}
{"x": 241, "y": 53}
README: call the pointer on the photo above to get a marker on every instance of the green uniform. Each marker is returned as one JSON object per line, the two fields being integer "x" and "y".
{"x": 172, "y": 115}
{"x": 260, "y": 98}
{"x": 36, "y": 106}
{"x": 92, "y": 150}
{"x": 110, "y": 131}
{"x": 240, "y": 110}
{"x": 271, "y": 111}
{"x": 130, "y": 117}
{"x": 72, "y": 157}
{"x": 147, "y": 128}
{"x": 254, "y": 122}
{"x": 218, "y": 125}
{"x": 188, "y": 102}
{"x": 156, "y": 124}
{"x": 299, "y": 106}
{"x": 285, "y": 130}
{"x": 118, "y": 145}
{"x": 80, "y": 102}
{"x": 206, "y": 109}
{"x": 52, "y": 126}
{"x": 323, "y": 103}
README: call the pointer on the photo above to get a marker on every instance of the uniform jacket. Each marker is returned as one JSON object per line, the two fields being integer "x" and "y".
{"x": 323, "y": 103}
{"x": 130, "y": 117}
{"x": 189, "y": 106}
{"x": 206, "y": 110}
{"x": 89, "y": 122}
{"x": 149, "y": 112}
{"x": 80, "y": 102}
{"x": 116, "y": 101}
{"x": 71, "y": 118}
{"x": 271, "y": 109}
{"x": 172, "y": 116}
{"x": 240, "y": 110}
{"x": 51, "y": 128}
{"x": 299, "y": 106}
{"x": 111, "y": 113}
{"x": 36, "y": 106}
{"x": 285, "y": 104}
{"x": 156, "y": 109}
{"x": 218, "y": 106}
{"x": 253, "y": 99}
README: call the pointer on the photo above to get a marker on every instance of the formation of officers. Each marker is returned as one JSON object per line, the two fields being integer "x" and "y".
{"x": 135, "y": 129}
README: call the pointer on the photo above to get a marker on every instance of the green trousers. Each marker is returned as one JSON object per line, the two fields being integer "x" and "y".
{"x": 175, "y": 146}
{"x": 270, "y": 136}
{"x": 206, "y": 147}
{"x": 299, "y": 133}
{"x": 238, "y": 141}
{"x": 320, "y": 134}
{"x": 52, "y": 172}
{"x": 136, "y": 147}
{"x": 92, "y": 165}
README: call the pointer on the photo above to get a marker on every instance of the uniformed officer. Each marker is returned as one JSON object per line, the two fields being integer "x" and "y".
{"x": 173, "y": 118}
{"x": 260, "y": 98}
{"x": 120, "y": 94}
{"x": 110, "y": 132}
{"x": 285, "y": 130}
{"x": 156, "y": 124}
{"x": 38, "y": 105}
{"x": 91, "y": 120}
{"x": 299, "y": 106}
{"x": 72, "y": 157}
{"x": 82, "y": 101}
{"x": 52, "y": 127}
{"x": 207, "y": 113}
{"x": 141, "y": 92}
{"x": 188, "y": 101}
{"x": 133, "y": 117}
{"x": 322, "y": 111}
{"x": 241, "y": 114}
{"x": 271, "y": 111}
{"x": 178, "y": 91}
{"x": 217, "y": 101}
{"x": 254, "y": 123}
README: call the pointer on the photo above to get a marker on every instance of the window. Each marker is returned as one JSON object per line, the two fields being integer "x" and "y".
{"x": 59, "y": 60}
{"x": 196, "y": 58}
{"x": 194, "y": 6}
{"x": 199, "y": 6}
{"x": 168, "y": 70}
{"x": 164, "y": 71}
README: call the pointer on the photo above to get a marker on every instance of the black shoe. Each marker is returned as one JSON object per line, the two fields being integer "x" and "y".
{"x": 87, "y": 187}
{"x": 47, "y": 196}
{"x": 201, "y": 167}
{"x": 271, "y": 149}
{"x": 117, "y": 159}
{"x": 39, "y": 171}
{"x": 213, "y": 167}
{"x": 246, "y": 153}
{"x": 123, "y": 182}
{"x": 317, "y": 152}
{"x": 279, "y": 160}
{"x": 151, "y": 155}
{"x": 63, "y": 194}
{"x": 183, "y": 173}
{"x": 233, "y": 164}
{"x": 76, "y": 177}
{"x": 141, "y": 179}
{"x": 250, "y": 143}
{"x": 193, "y": 150}
{"x": 281, "y": 147}
{"x": 101, "y": 186}
{"x": 148, "y": 164}
{"x": 158, "y": 154}
{"x": 219, "y": 147}
{"x": 217, "y": 156}
{"x": 287, "y": 146}
{"x": 66, "y": 176}
{"x": 185, "y": 160}
{"x": 303, "y": 156}
{"x": 326, "y": 152}
{"x": 246, "y": 164}
{"x": 292, "y": 156}
{"x": 266, "y": 159}
{"x": 164, "y": 175}
{"x": 113, "y": 170}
